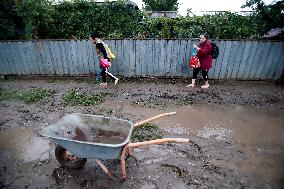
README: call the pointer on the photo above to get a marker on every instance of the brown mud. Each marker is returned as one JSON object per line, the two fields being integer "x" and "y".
{"x": 236, "y": 132}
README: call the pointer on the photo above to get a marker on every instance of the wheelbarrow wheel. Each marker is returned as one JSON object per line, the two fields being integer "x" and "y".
{"x": 67, "y": 160}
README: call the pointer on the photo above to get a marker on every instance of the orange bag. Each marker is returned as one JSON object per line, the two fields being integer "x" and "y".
{"x": 194, "y": 62}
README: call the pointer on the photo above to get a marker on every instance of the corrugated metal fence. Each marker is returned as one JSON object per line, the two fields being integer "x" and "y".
{"x": 146, "y": 57}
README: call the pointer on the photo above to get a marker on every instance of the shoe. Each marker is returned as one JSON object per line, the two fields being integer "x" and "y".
{"x": 205, "y": 86}
{"x": 116, "y": 81}
{"x": 103, "y": 84}
{"x": 190, "y": 85}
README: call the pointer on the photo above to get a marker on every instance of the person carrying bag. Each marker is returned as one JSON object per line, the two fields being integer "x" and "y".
{"x": 104, "y": 54}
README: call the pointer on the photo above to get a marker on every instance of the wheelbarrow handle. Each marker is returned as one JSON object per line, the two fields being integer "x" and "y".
{"x": 152, "y": 118}
{"x": 158, "y": 141}
{"x": 144, "y": 143}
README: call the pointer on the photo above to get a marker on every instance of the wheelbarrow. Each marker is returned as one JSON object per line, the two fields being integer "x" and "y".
{"x": 82, "y": 136}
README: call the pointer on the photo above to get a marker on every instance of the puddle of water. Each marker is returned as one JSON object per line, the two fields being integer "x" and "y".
{"x": 241, "y": 124}
{"x": 24, "y": 144}
{"x": 217, "y": 133}
{"x": 259, "y": 133}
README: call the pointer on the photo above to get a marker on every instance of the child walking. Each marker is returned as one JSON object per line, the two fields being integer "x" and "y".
{"x": 103, "y": 57}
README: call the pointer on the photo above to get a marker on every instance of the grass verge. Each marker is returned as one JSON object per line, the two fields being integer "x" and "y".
{"x": 29, "y": 96}
{"x": 146, "y": 132}
{"x": 75, "y": 98}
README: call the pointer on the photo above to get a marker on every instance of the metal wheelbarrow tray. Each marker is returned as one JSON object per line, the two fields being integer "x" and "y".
{"x": 85, "y": 135}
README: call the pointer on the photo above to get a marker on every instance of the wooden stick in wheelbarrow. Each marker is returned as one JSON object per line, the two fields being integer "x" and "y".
{"x": 127, "y": 147}
{"x": 152, "y": 118}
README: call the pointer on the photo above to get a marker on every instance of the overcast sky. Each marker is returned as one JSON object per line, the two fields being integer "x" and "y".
{"x": 208, "y": 5}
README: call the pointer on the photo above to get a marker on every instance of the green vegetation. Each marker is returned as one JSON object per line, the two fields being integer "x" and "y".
{"x": 5, "y": 94}
{"x": 75, "y": 97}
{"x": 161, "y": 5}
{"x": 146, "y": 132}
{"x": 32, "y": 95}
{"x": 48, "y": 19}
{"x": 266, "y": 17}
{"x": 35, "y": 95}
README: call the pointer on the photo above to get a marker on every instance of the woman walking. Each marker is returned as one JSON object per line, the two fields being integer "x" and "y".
{"x": 204, "y": 51}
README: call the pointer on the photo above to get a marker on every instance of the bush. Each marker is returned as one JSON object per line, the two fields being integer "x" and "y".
{"x": 77, "y": 18}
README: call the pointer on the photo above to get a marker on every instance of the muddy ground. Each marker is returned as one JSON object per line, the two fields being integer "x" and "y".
{"x": 236, "y": 132}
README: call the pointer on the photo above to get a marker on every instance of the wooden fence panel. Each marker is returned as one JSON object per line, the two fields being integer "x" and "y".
{"x": 138, "y": 66}
{"x": 182, "y": 59}
{"x": 189, "y": 46}
{"x": 4, "y": 64}
{"x": 232, "y": 59}
{"x": 276, "y": 60}
{"x": 9, "y": 58}
{"x": 244, "y": 59}
{"x": 279, "y": 70}
{"x": 268, "y": 66}
{"x": 157, "y": 57}
{"x": 238, "y": 59}
{"x": 256, "y": 59}
{"x": 141, "y": 57}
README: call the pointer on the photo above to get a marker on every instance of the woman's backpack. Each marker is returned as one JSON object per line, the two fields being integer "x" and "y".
{"x": 215, "y": 50}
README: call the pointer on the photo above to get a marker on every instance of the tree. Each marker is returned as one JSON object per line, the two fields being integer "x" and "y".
{"x": 11, "y": 24}
{"x": 36, "y": 15}
{"x": 161, "y": 5}
{"x": 267, "y": 16}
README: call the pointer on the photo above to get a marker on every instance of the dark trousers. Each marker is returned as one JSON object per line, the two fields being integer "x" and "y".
{"x": 204, "y": 73}
{"x": 105, "y": 72}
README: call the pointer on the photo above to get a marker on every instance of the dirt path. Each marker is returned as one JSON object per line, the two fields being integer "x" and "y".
{"x": 236, "y": 132}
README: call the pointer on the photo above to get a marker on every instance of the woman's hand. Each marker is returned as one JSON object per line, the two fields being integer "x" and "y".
{"x": 196, "y": 47}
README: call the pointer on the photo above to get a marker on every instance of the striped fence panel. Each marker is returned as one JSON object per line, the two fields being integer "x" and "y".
{"x": 242, "y": 59}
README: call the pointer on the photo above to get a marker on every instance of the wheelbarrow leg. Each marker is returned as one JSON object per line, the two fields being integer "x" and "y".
{"x": 127, "y": 148}
{"x": 104, "y": 168}
{"x": 122, "y": 160}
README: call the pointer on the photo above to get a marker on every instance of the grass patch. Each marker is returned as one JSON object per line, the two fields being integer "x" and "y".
{"x": 6, "y": 94}
{"x": 34, "y": 95}
{"x": 29, "y": 96}
{"x": 75, "y": 97}
{"x": 146, "y": 132}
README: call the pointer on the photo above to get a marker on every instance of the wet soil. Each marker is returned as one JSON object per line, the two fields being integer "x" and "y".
{"x": 98, "y": 136}
{"x": 236, "y": 132}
